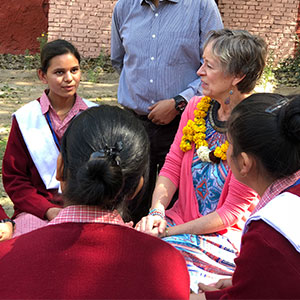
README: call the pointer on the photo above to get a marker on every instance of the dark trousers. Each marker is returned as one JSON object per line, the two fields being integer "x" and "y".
{"x": 161, "y": 137}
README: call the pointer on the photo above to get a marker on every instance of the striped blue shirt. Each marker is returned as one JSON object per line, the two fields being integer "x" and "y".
{"x": 157, "y": 51}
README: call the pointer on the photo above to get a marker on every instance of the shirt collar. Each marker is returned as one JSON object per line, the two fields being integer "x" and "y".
{"x": 275, "y": 189}
{"x": 45, "y": 103}
{"x": 86, "y": 214}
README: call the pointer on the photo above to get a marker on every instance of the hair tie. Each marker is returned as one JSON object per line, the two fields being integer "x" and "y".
{"x": 111, "y": 152}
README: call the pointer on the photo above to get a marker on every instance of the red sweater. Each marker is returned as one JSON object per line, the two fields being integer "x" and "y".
{"x": 91, "y": 261}
{"x": 268, "y": 267}
{"x": 21, "y": 179}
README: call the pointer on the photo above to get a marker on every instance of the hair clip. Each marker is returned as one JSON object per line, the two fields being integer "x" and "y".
{"x": 97, "y": 154}
{"x": 111, "y": 152}
{"x": 114, "y": 152}
{"x": 276, "y": 106}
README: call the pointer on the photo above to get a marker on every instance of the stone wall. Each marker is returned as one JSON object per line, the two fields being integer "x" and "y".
{"x": 21, "y": 22}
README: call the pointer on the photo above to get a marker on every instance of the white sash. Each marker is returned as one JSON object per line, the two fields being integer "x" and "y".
{"x": 39, "y": 140}
{"x": 281, "y": 213}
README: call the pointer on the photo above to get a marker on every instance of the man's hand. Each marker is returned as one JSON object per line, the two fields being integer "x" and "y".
{"x": 163, "y": 112}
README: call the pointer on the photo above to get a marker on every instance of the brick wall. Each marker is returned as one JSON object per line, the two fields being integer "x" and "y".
{"x": 275, "y": 21}
{"x": 86, "y": 23}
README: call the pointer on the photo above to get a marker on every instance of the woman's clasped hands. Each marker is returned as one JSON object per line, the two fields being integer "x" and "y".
{"x": 153, "y": 224}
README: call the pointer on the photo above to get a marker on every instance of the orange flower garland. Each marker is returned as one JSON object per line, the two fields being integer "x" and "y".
{"x": 195, "y": 131}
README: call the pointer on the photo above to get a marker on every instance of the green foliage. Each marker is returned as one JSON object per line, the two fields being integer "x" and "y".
{"x": 267, "y": 80}
{"x": 3, "y": 141}
{"x": 31, "y": 61}
{"x": 288, "y": 71}
{"x": 19, "y": 62}
{"x": 93, "y": 68}
{"x": 43, "y": 39}
{"x": 4, "y": 91}
{"x": 4, "y": 200}
{"x": 92, "y": 75}
{"x": 102, "y": 61}
{"x": 7, "y": 92}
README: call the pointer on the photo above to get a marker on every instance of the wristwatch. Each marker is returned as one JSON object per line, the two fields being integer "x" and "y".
{"x": 180, "y": 103}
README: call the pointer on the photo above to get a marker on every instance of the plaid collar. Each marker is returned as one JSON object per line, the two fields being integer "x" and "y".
{"x": 86, "y": 214}
{"x": 276, "y": 188}
{"x": 45, "y": 103}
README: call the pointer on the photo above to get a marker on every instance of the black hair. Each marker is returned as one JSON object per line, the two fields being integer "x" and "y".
{"x": 105, "y": 151}
{"x": 54, "y": 48}
{"x": 267, "y": 126}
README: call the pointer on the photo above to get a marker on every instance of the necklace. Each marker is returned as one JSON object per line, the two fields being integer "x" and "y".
{"x": 220, "y": 126}
{"x": 195, "y": 131}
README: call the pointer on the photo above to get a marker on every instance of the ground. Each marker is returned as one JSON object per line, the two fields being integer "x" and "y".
{"x": 18, "y": 87}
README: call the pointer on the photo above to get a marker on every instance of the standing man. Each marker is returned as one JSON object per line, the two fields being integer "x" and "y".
{"x": 156, "y": 46}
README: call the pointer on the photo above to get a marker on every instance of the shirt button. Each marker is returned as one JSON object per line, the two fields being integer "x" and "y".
{"x": 156, "y": 15}
{"x": 152, "y": 58}
{"x": 153, "y": 36}
{"x": 152, "y": 102}
{"x": 151, "y": 80}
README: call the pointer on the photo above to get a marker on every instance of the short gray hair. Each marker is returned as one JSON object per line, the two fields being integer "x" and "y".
{"x": 240, "y": 53}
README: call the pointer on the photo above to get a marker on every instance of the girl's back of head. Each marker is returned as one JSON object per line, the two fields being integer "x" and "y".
{"x": 105, "y": 152}
{"x": 267, "y": 126}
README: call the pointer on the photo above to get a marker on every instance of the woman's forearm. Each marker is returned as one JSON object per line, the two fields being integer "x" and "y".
{"x": 206, "y": 224}
{"x": 163, "y": 193}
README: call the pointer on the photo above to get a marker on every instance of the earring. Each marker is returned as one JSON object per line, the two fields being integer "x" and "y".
{"x": 227, "y": 100}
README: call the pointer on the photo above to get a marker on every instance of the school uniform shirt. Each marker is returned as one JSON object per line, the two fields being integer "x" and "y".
{"x": 268, "y": 266}
{"x": 87, "y": 253}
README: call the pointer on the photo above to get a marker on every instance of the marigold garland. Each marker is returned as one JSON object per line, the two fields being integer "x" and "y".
{"x": 195, "y": 131}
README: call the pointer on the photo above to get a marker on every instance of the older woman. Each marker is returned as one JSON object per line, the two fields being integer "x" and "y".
{"x": 205, "y": 222}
